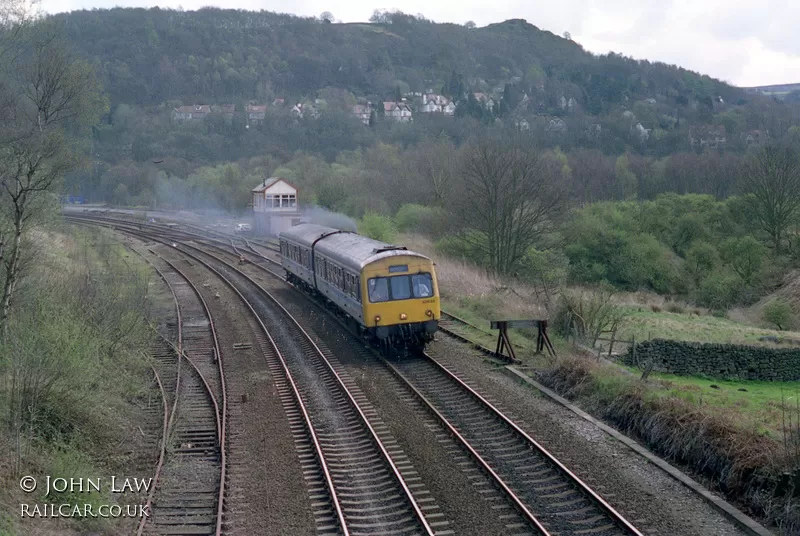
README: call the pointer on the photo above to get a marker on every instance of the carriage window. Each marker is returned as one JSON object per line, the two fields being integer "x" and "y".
{"x": 422, "y": 285}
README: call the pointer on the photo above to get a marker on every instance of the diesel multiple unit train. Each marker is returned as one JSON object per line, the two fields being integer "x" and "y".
{"x": 388, "y": 293}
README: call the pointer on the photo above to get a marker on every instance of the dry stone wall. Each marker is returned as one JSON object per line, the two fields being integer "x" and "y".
{"x": 724, "y": 361}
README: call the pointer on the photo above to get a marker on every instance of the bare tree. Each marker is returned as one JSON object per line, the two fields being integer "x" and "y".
{"x": 51, "y": 98}
{"x": 772, "y": 178}
{"x": 437, "y": 163}
{"x": 512, "y": 197}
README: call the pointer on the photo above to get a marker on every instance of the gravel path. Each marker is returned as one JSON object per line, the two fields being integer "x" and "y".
{"x": 646, "y": 496}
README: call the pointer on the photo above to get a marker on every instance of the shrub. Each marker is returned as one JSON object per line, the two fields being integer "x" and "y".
{"x": 421, "y": 219}
{"x": 545, "y": 271}
{"x": 468, "y": 246}
{"x": 744, "y": 255}
{"x": 675, "y": 308}
{"x": 377, "y": 227}
{"x": 779, "y": 313}
{"x": 588, "y": 315}
{"x": 701, "y": 258}
{"x": 719, "y": 290}
{"x": 655, "y": 308}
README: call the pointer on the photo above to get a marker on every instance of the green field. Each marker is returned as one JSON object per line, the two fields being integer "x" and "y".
{"x": 646, "y": 324}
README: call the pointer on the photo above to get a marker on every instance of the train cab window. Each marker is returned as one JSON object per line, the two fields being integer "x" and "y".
{"x": 378, "y": 289}
{"x": 422, "y": 285}
{"x": 401, "y": 290}
{"x": 400, "y": 287}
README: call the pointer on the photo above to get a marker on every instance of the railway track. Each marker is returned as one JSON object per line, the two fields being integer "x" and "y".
{"x": 554, "y": 499}
{"x": 369, "y": 481}
{"x": 550, "y": 497}
{"x": 188, "y": 490}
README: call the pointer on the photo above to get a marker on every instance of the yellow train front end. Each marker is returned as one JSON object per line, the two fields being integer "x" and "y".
{"x": 400, "y": 297}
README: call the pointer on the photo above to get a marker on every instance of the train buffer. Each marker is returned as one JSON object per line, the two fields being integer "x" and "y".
{"x": 504, "y": 343}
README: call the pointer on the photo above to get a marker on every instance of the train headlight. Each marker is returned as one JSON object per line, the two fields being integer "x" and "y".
{"x": 428, "y": 313}
{"x": 403, "y": 316}
{"x": 377, "y": 318}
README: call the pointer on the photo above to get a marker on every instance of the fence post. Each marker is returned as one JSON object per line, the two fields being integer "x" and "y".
{"x": 647, "y": 370}
{"x": 633, "y": 346}
{"x": 611, "y": 342}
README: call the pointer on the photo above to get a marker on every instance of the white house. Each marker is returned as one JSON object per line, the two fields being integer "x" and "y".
{"x": 433, "y": 103}
{"x": 363, "y": 112}
{"x": 256, "y": 113}
{"x": 275, "y": 206}
{"x": 191, "y": 113}
{"x": 399, "y": 111}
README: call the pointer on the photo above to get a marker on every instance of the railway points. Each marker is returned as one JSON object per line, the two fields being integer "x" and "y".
{"x": 260, "y": 259}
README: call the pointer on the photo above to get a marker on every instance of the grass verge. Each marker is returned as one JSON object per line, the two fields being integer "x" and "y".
{"x": 737, "y": 456}
{"x": 73, "y": 379}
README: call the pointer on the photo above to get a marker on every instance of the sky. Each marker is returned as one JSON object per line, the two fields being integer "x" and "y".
{"x": 755, "y": 44}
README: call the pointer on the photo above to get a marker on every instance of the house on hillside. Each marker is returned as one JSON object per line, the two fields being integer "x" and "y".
{"x": 198, "y": 112}
{"x": 556, "y": 126}
{"x": 485, "y": 100}
{"x": 642, "y": 132}
{"x": 398, "y": 111}
{"x": 521, "y": 123}
{"x": 362, "y": 112}
{"x": 754, "y": 138}
{"x": 278, "y": 102}
{"x": 256, "y": 113}
{"x": 433, "y": 103}
{"x": 707, "y": 136}
{"x": 300, "y": 110}
{"x": 225, "y": 110}
{"x": 275, "y": 206}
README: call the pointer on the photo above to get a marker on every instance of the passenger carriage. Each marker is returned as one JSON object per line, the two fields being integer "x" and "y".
{"x": 388, "y": 292}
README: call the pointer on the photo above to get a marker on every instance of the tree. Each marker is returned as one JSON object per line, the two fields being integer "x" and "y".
{"x": 437, "y": 163}
{"x": 511, "y": 199}
{"x": 327, "y": 17}
{"x": 771, "y": 177}
{"x": 744, "y": 255}
{"x": 701, "y": 259}
{"x": 51, "y": 98}
{"x": 779, "y": 313}
{"x": 469, "y": 24}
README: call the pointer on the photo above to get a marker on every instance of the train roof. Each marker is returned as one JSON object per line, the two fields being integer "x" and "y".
{"x": 348, "y": 248}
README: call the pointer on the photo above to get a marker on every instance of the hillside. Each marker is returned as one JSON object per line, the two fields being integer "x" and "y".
{"x": 150, "y": 56}
{"x": 777, "y": 90}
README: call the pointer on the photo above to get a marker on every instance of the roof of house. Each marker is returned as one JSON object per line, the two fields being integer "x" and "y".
{"x": 197, "y": 108}
{"x": 389, "y": 106}
{"x": 278, "y": 102}
{"x": 268, "y": 183}
{"x": 224, "y": 108}
{"x": 361, "y": 109}
{"x": 256, "y": 107}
